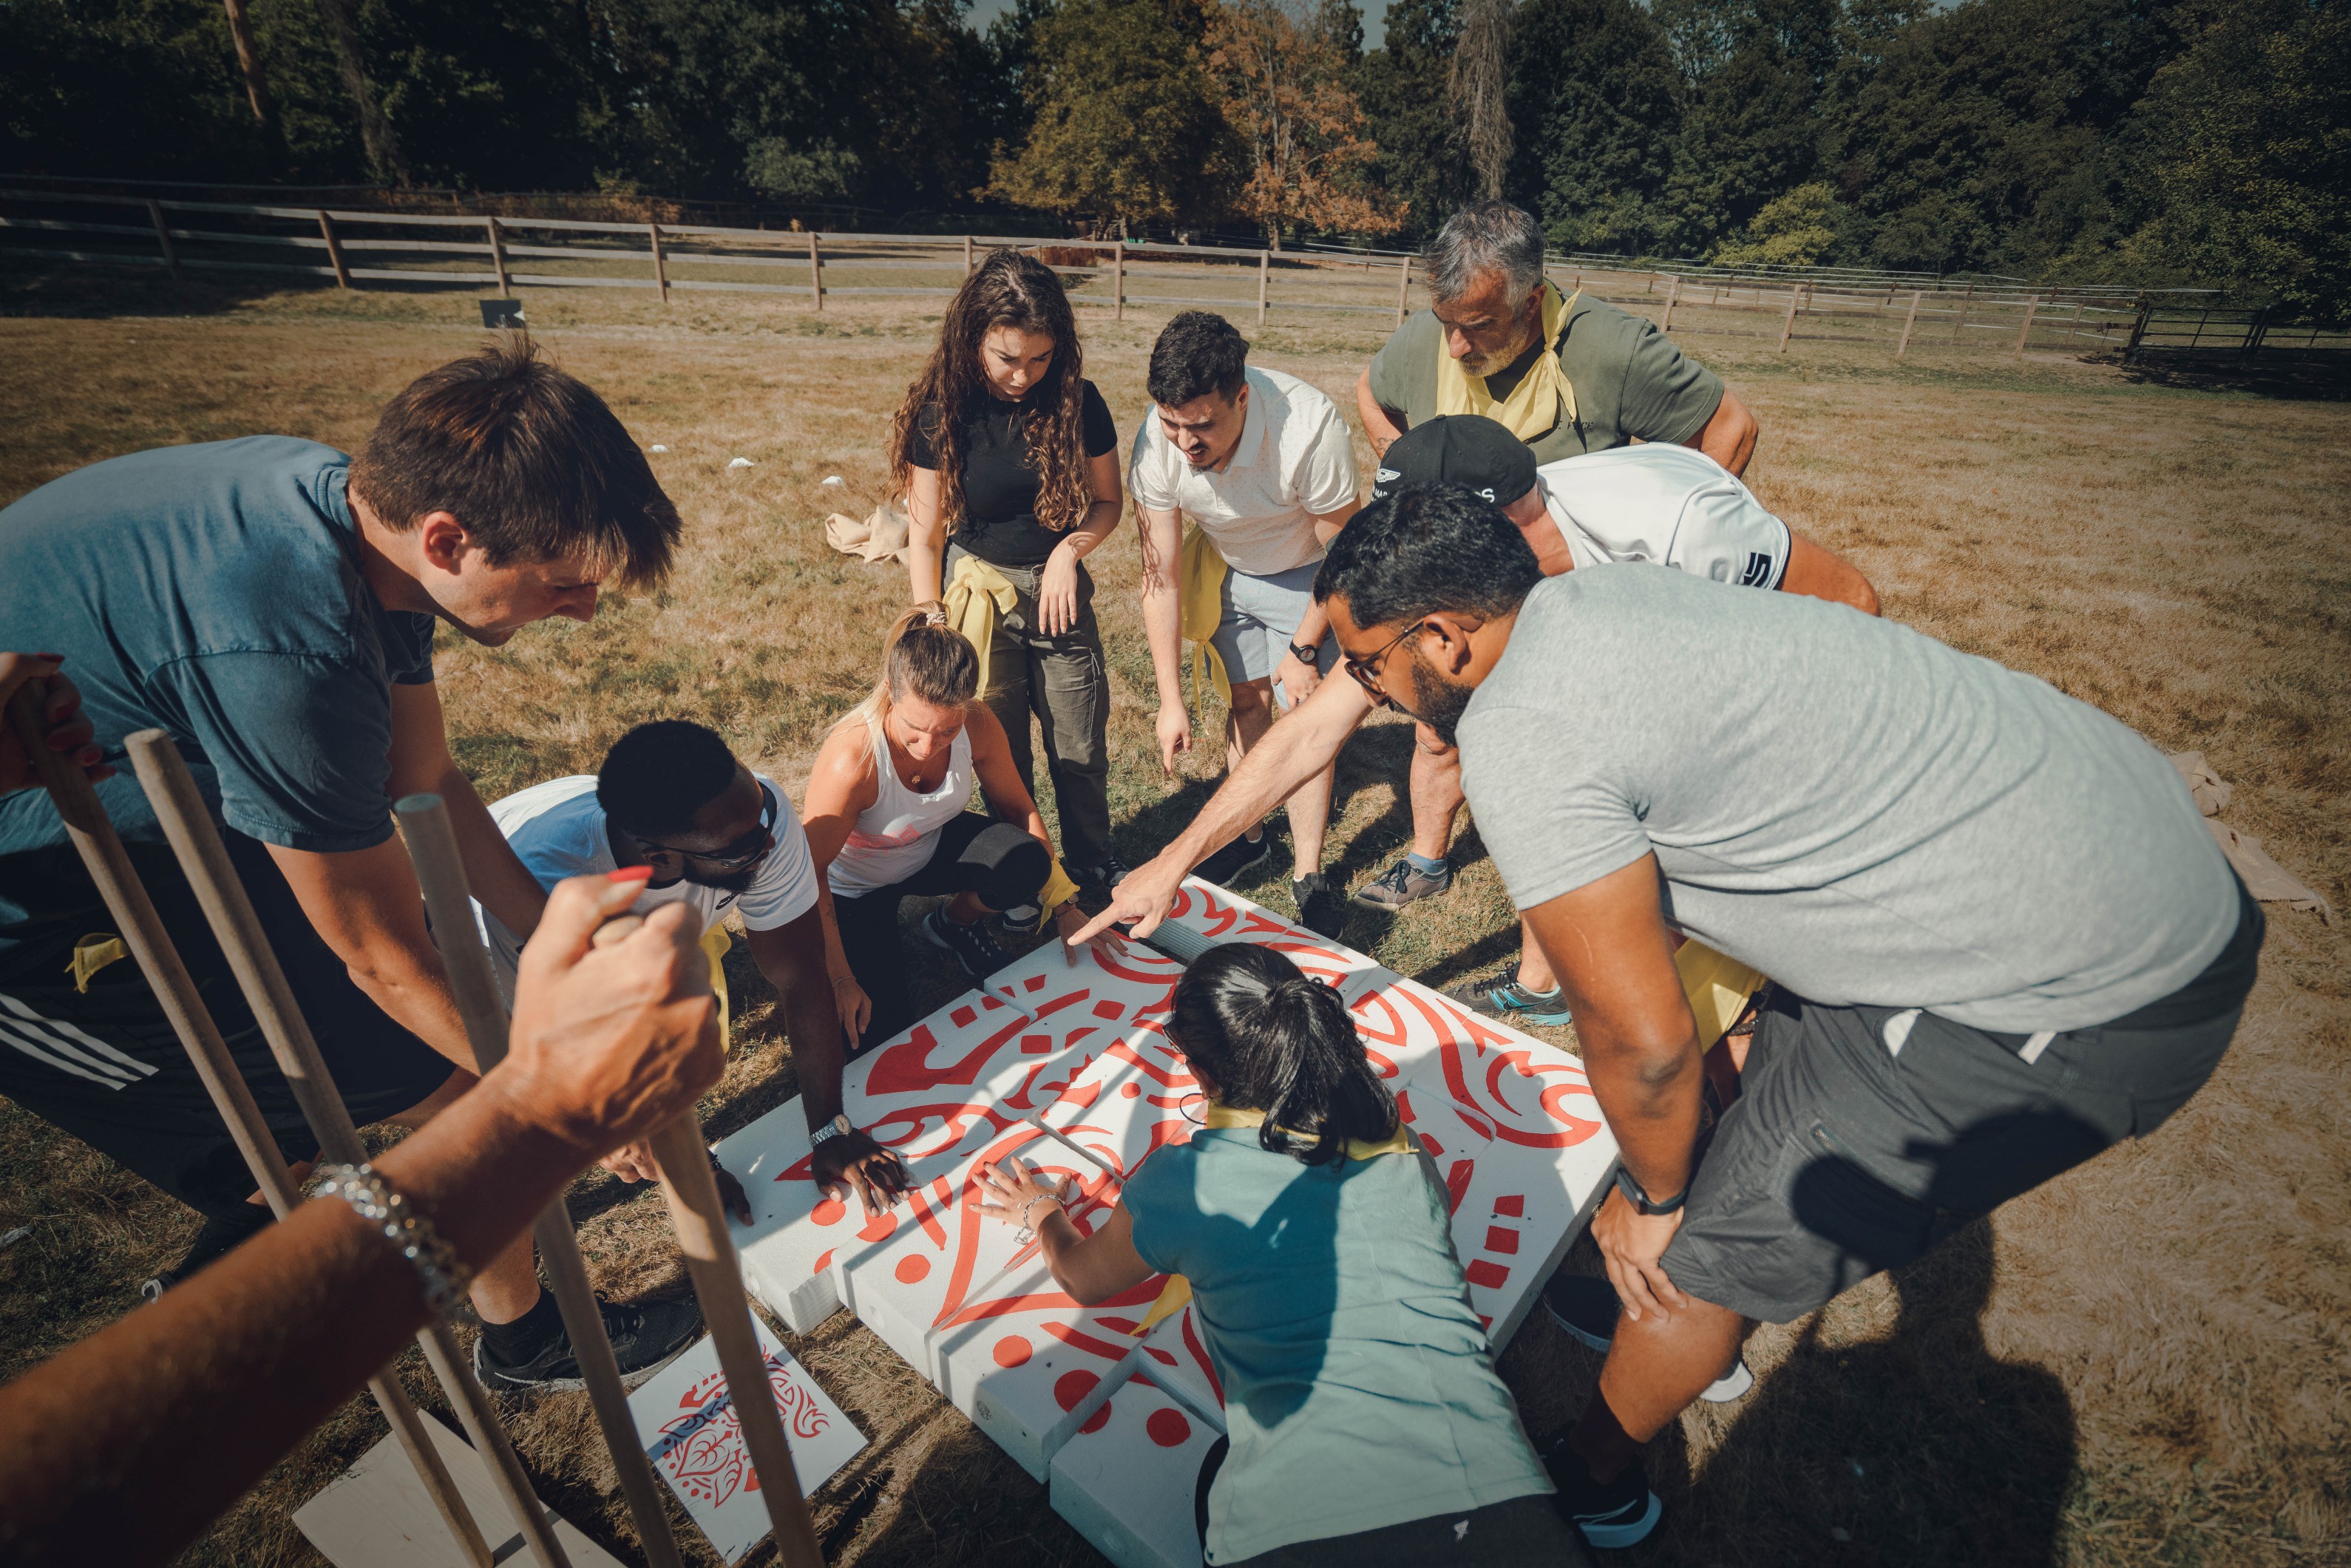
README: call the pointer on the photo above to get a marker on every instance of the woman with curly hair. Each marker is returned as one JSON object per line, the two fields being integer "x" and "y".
{"x": 1008, "y": 458}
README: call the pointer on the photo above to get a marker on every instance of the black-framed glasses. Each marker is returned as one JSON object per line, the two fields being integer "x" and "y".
{"x": 1367, "y": 671}
{"x": 745, "y": 850}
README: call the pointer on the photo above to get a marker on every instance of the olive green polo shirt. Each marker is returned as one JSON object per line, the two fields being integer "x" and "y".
{"x": 1631, "y": 383}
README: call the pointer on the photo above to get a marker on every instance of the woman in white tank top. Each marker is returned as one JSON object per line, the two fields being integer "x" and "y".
{"x": 887, "y": 817}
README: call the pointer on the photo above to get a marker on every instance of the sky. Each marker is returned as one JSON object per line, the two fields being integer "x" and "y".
{"x": 1376, "y": 18}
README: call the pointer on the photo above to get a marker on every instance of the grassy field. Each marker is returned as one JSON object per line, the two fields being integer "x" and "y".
{"x": 2145, "y": 1361}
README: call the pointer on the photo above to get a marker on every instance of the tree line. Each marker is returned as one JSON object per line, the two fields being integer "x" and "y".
{"x": 2148, "y": 139}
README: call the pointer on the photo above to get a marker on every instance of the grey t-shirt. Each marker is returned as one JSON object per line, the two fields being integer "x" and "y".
{"x": 1861, "y": 812}
{"x": 1631, "y": 383}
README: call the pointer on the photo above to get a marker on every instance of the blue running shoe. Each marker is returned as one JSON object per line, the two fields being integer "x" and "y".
{"x": 1501, "y": 996}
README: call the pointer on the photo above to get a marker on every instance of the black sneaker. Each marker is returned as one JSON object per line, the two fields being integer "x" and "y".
{"x": 216, "y": 1239}
{"x": 1320, "y": 909}
{"x": 1404, "y": 882}
{"x": 644, "y": 1340}
{"x": 1611, "y": 1514}
{"x": 1587, "y": 1307}
{"x": 1235, "y": 858}
{"x": 1109, "y": 874}
{"x": 974, "y": 946}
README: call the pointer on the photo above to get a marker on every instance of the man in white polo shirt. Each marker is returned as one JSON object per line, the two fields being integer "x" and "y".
{"x": 1264, "y": 466}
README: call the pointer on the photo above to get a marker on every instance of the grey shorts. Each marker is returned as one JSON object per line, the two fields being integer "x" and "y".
{"x": 1261, "y": 617}
{"x": 1862, "y": 1136}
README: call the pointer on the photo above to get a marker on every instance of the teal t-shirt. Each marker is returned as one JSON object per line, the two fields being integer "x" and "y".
{"x": 1358, "y": 1391}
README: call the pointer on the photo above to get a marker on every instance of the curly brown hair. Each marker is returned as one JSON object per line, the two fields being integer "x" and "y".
{"x": 1010, "y": 288}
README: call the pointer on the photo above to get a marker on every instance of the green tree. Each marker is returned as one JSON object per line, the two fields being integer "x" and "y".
{"x": 1418, "y": 160}
{"x": 1282, "y": 81}
{"x": 1756, "y": 75}
{"x": 1795, "y": 230}
{"x": 1125, "y": 122}
{"x": 1592, "y": 90}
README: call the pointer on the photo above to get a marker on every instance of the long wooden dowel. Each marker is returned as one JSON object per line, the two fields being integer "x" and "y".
{"x": 187, "y": 823}
{"x": 101, "y": 852}
{"x": 424, "y": 823}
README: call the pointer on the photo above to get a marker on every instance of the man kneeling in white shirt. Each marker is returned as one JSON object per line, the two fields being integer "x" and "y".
{"x": 1667, "y": 505}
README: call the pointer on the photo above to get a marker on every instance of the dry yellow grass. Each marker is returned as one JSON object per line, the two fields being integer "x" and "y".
{"x": 2145, "y": 1360}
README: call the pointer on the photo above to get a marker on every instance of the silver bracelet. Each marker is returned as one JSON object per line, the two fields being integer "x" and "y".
{"x": 380, "y": 1203}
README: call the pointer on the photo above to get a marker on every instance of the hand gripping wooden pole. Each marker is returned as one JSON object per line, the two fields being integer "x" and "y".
{"x": 695, "y": 1210}
{"x": 126, "y": 897}
{"x": 188, "y": 824}
{"x": 424, "y": 823}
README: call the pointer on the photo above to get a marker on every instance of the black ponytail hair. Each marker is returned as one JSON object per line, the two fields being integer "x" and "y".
{"x": 1273, "y": 1041}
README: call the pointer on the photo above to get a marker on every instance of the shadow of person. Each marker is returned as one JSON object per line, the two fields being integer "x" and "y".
{"x": 1918, "y": 1447}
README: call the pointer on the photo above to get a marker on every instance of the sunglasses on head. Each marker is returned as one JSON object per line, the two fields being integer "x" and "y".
{"x": 745, "y": 850}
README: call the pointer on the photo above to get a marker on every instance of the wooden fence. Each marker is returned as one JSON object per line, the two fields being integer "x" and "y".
{"x": 1902, "y": 314}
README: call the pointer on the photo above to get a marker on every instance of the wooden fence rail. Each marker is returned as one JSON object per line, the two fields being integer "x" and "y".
{"x": 358, "y": 247}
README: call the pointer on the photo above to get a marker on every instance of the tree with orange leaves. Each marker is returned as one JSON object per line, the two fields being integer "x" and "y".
{"x": 1281, "y": 77}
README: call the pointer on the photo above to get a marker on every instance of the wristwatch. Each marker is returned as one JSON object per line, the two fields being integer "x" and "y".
{"x": 838, "y": 1128}
{"x": 1306, "y": 656}
{"x": 1640, "y": 1200}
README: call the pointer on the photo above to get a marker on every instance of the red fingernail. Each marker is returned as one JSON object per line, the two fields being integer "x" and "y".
{"x": 633, "y": 873}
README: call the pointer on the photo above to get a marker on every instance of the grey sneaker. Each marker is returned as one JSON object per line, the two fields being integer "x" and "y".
{"x": 1404, "y": 882}
{"x": 644, "y": 1340}
{"x": 1501, "y": 996}
{"x": 974, "y": 946}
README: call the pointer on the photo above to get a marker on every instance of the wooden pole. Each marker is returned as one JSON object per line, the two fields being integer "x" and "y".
{"x": 424, "y": 823}
{"x": 1118, "y": 282}
{"x": 334, "y": 249}
{"x": 2139, "y": 326}
{"x": 150, "y": 944}
{"x": 2031, "y": 306}
{"x": 1264, "y": 276}
{"x": 1788, "y": 327}
{"x": 968, "y": 263}
{"x": 187, "y": 823}
{"x": 1672, "y": 299}
{"x": 1960, "y": 325}
{"x": 1404, "y": 287}
{"x": 661, "y": 266}
{"x": 1908, "y": 321}
{"x": 816, "y": 272}
{"x": 164, "y": 239}
{"x": 497, "y": 254}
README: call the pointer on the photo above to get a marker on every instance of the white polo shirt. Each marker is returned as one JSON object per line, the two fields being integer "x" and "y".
{"x": 556, "y": 830}
{"x": 1671, "y": 506}
{"x": 1293, "y": 462}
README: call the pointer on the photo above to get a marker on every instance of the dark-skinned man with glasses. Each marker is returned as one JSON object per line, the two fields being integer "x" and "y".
{"x": 710, "y": 833}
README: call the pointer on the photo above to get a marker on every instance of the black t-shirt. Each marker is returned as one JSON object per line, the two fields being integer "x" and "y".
{"x": 999, "y": 486}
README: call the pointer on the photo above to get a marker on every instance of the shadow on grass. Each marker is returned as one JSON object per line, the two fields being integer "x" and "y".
{"x": 44, "y": 288}
{"x": 2319, "y": 376}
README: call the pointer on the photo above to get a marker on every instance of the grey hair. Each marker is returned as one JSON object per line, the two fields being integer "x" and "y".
{"x": 1492, "y": 236}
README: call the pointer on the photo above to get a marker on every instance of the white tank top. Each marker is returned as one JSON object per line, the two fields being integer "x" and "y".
{"x": 894, "y": 836}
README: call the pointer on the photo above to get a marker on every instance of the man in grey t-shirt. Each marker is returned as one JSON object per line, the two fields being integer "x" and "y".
{"x": 2000, "y": 935}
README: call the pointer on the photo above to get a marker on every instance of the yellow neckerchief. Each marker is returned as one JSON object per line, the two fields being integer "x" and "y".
{"x": 977, "y": 597}
{"x": 715, "y": 945}
{"x": 1717, "y": 989}
{"x": 1200, "y": 591}
{"x": 93, "y": 953}
{"x": 1534, "y": 405}
{"x": 1178, "y": 1289}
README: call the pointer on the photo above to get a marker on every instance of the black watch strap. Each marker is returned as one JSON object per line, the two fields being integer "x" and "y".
{"x": 1305, "y": 655}
{"x": 1641, "y": 1201}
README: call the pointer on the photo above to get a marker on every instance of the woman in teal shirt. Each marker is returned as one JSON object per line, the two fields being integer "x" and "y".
{"x": 1364, "y": 1420}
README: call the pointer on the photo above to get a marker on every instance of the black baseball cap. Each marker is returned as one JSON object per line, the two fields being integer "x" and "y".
{"x": 1464, "y": 449}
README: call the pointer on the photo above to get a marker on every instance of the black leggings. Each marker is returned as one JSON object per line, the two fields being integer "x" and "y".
{"x": 974, "y": 854}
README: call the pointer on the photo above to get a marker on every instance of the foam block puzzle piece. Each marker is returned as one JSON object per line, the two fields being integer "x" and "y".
{"x": 795, "y": 1232}
{"x": 1030, "y": 1367}
{"x": 686, "y": 1421}
{"x": 1126, "y": 1483}
{"x": 377, "y": 1514}
{"x": 1102, "y": 996}
{"x": 937, "y": 1253}
{"x": 1176, "y": 1357}
{"x": 1219, "y": 915}
{"x": 942, "y": 1087}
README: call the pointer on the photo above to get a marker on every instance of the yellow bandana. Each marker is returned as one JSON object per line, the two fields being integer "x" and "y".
{"x": 1200, "y": 591}
{"x": 1717, "y": 989}
{"x": 1543, "y": 396}
{"x": 976, "y": 599}
{"x": 94, "y": 953}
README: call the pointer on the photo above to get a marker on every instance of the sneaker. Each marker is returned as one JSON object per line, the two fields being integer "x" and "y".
{"x": 1587, "y": 1307}
{"x": 1320, "y": 909}
{"x": 1110, "y": 874}
{"x": 974, "y": 946}
{"x": 216, "y": 1239}
{"x": 1021, "y": 920}
{"x": 1611, "y": 1514}
{"x": 644, "y": 1340}
{"x": 1235, "y": 858}
{"x": 1501, "y": 996}
{"x": 1403, "y": 882}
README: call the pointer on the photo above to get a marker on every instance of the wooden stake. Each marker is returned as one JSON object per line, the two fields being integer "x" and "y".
{"x": 2031, "y": 307}
{"x": 334, "y": 249}
{"x": 187, "y": 823}
{"x": 1264, "y": 275}
{"x": 164, "y": 239}
{"x": 1404, "y": 287}
{"x": 1118, "y": 282}
{"x": 816, "y": 272}
{"x": 660, "y": 266}
{"x": 1965, "y": 300}
{"x": 967, "y": 256}
{"x": 1788, "y": 327}
{"x": 1672, "y": 299}
{"x": 150, "y": 944}
{"x": 497, "y": 255}
{"x": 424, "y": 823}
{"x": 1907, "y": 322}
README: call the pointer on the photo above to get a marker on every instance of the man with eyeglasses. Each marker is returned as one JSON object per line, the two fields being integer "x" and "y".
{"x": 673, "y": 798}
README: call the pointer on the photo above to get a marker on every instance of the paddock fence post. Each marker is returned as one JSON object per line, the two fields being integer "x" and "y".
{"x": 1788, "y": 326}
{"x": 334, "y": 249}
{"x": 1118, "y": 282}
{"x": 1404, "y": 287}
{"x": 1910, "y": 320}
{"x": 1264, "y": 276}
{"x": 967, "y": 256}
{"x": 1959, "y": 325}
{"x": 164, "y": 239}
{"x": 816, "y": 272}
{"x": 2139, "y": 326}
{"x": 661, "y": 267}
{"x": 1673, "y": 297}
{"x": 2032, "y": 306}
{"x": 497, "y": 255}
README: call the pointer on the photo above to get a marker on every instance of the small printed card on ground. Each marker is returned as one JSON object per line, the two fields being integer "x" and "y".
{"x": 686, "y": 1421}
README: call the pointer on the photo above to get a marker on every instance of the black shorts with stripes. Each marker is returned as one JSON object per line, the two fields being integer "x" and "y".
{"x": 105, "y": 1065}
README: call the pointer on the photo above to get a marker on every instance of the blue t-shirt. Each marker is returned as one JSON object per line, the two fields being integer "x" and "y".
{"x": 1359, "y": 1390}
{"x": 214, "y": 592}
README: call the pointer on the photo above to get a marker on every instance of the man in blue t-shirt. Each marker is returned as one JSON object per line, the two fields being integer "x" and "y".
{"x": 271, "y": 603}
